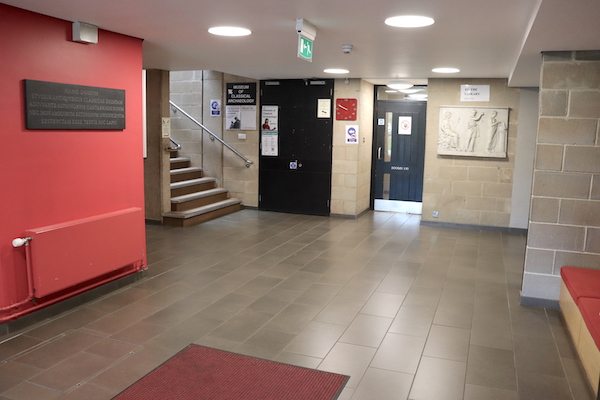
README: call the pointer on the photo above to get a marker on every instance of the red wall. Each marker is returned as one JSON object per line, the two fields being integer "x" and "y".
{"x": 50, "y": 177}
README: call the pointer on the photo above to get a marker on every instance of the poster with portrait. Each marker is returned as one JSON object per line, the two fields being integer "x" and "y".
{"x": 473, "y": 131}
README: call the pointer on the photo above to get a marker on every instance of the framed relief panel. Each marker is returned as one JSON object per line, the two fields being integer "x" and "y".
{"x": 473, "y": 131}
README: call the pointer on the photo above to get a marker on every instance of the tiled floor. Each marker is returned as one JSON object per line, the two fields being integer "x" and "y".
{"x": 408, "y": 311}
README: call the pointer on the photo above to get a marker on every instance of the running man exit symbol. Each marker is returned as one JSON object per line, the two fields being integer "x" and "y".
{"x": 305, "y": 48}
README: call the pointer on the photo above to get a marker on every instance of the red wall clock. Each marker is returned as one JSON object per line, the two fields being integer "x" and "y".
{"x": 345, "y": 109}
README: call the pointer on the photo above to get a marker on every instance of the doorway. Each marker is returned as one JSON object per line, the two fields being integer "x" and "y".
{"x": 296, "y": 138}
{"x": 399, "y": 156}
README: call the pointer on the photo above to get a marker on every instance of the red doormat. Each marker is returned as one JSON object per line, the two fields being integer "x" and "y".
{"x": 199, "y": 372}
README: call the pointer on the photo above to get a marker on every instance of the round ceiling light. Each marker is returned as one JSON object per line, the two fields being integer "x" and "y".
{"x": 399, "y": 85}
{"x": 445, "y": 70}
{"x": 336, "y": 71}
{"x": 229, "y": 31}
{"x": 410, "y": 91}
{"x": 409, "y": 21}
{"x": 418, "y": 96}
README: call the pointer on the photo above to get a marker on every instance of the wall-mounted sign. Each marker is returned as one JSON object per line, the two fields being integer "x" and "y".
{"x": 241, "y": 94}
{"x": 50, "y": 105}
{"x": 475, "y": 93}
{"x": 352, "y": 134}
{"x": 215, "y": 108}
{"x": 166, "y": 127}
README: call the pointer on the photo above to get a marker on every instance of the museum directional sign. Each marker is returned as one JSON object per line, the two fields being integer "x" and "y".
{"x": 50, "y": 105}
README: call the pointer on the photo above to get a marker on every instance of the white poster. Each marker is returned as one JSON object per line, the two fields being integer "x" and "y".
{"x": 241, "y": 117}
{"x": 269, "y": 118}
{"x": 248, "y": 114}
{"x": 352, "y": 134}
{"x": 324, "y": 108}
{"x": 269, "y": 143}
{"x": 404, "y": 125}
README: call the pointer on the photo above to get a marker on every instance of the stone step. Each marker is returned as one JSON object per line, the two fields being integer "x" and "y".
{"x": 202, "y": 214}
{"x": 179, "y": 162}
{"x": 184, "y": 174}
{"x": 198, "y": 199}
{"x": 191, "y": 186}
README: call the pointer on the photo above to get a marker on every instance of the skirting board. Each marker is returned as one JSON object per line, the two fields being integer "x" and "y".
{"x": 541, "y": 303}
{"x": 480, "y": 227}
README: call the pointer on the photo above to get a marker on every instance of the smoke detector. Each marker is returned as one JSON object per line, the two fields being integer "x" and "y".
{"x": 347, "y": 48}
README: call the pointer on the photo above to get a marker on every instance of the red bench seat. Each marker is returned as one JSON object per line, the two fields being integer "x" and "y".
{"x": 581, "y": 282}
{"x": 580, "y": 304}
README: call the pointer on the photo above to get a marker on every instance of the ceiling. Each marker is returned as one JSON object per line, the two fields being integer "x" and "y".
{"x": 485, "y": 39}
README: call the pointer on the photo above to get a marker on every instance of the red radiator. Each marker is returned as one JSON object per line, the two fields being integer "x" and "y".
{"x": 73, "y": 252}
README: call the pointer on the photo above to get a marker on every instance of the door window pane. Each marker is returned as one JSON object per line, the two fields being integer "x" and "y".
{"x": 387, "y": 140}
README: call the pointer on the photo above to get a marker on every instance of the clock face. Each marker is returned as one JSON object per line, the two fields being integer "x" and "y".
{"x": 345, "y": 109}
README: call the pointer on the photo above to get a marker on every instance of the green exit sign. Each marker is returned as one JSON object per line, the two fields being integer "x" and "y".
{"x": 305, "y": 48}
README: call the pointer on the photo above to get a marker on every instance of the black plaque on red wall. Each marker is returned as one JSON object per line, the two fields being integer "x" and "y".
{"x": 50, "y": 105}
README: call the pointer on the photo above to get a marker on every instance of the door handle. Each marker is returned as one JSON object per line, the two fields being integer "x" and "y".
{"x": 379, "y": 153}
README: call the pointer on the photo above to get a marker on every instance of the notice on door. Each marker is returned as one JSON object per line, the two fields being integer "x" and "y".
{"x": 404, "y": 125}
{"x": 269, "y": 118}
{"x": 269, "y": 143}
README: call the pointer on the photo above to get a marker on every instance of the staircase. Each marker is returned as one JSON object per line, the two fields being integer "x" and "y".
{"x": 194, "y": 198}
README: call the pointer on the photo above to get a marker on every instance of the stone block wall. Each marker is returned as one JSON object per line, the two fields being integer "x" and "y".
{"x": 564, "y": 224}
{"x": 351, "y": 163}
{"x": 469, "y": 190}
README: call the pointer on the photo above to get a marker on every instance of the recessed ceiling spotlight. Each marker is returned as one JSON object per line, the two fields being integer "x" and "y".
{"x": 445, "y": 70}
{"x": 229, "y": 31}
{"x": 409, "y": 21}
{"x": 399, "y": 85}
{"x": 336, "y": 71}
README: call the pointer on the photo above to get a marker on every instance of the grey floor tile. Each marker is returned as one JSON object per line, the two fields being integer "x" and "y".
{"x": 491, "y": 367}
{"x": 413, "y": 321}
{"x": 455, "y": 314}
{"x": 348, "y": 359}
{"x": 423, "y": 297}
{"x": 383, "y": 384}
{"x": 475, "y": 392}
{"x": 340, "y": 311}
{"x": 316, "y": 340}
{"x": 383, "y": 304}
{"x": 439, "y": 379}
{"x": 448, "y": 343}
{"x": 366, "y": 330}
{"x": 533, "y": 386}
{"x": 399, "y": 353}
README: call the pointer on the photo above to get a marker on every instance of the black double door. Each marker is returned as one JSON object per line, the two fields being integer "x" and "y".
{"x": 295, "y": 174}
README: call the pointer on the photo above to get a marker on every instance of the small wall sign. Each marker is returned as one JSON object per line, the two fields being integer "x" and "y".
{"x": 475, "y": 93}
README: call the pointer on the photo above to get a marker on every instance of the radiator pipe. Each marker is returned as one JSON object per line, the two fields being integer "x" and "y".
{"x": 18, "y": 242}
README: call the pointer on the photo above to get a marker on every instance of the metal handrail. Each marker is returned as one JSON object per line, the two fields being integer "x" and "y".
{"x": 248, "y": 162}
{"x": 176, "y": 143}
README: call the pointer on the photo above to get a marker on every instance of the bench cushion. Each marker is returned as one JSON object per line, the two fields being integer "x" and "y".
{"x": 581, "y": 282}
{"x": 590, "y": 311}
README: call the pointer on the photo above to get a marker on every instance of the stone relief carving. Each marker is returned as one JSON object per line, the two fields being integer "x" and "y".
{"x": 473, "y": 131}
